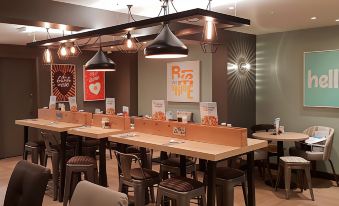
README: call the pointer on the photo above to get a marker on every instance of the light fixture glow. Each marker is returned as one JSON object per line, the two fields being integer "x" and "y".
{"x": 129, "y": 43}
{"x": 47, "y": 56}
{"x": 313, "y": 18}
{"x": 209, "y": 29}
{"x": 73, "y": 50}
{"x": 63, "y": 51}
{"x": 209, "y": 41}
{"x": 337, "y": 20}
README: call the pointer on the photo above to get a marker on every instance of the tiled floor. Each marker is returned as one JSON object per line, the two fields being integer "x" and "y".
{"x": 325, "y": 193}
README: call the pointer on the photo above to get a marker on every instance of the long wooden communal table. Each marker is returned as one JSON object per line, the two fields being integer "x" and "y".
{"x": 210, "y": 152}
{"x": 60, "y": 127}
{"x": 102, "y": 135}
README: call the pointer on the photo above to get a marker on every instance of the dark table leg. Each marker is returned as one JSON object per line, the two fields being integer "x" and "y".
{"x": 182, "y": 165}
{"x": 202, "y": 165}
{"x": 79, "y": 145}
{"x": 250, "y": 179}
{"x": 63, "y": 136}
{"x": 25, "y": 139}
{"x": 102, "y": 162}
{"x": 280, "y": 152}
{"x": 211, "y": 184}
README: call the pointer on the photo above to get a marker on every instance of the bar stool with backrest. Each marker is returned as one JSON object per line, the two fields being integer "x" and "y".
{"x": 36, "y": 149}
{"x": 139, "y": 178}
{"x": 317, "y": 152}
{"x": 53, "y": 151}
{"x": 289, "y": 163}
{"x": 226, "y": 179}
{"x": 77, "y": 165}
{"x": 172, "y": 166}
{"x": 181, "y": 190}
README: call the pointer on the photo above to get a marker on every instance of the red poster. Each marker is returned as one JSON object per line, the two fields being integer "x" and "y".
{"x": 94, "y": 85}
{"x": 63, "y": 81}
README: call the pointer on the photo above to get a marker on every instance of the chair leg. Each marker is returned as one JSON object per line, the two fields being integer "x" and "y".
{"x": 35, "y": 155}
{"x": 299, "y": 180}
{"x": 203, "y": 200}
{"x": 244, "y": 191}
{"x": 25, "y": 154}
{"x": 68, "y": 183}
{"x": 152, "y": 195}
{"x": 309, "y": 181}
{"x": 228, "y": 195}
{"x": 287, "y": 171}
{"x": 139, "y": 194}
{"x": 158, "y": 202}
{"x": 110, "y": 150}
{"x": 334, "y": 173}
{"x": 278, "y": 178}
{"x": 55, "y": 175}
{"x": 42, "y": 157}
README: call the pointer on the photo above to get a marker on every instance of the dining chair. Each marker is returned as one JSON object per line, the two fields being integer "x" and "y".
{"x": 172, "y": 166}
{"x": 89, "y": 194}
{"x": 36, "y": 149}
{"x": 139, "y": 178}
{"x": 316, "y": 152}
{"x": 27, "y": 185}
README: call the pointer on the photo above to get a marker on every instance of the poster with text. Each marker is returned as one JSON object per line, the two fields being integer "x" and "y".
{"x": 63, "y": 81}
{"x": 94, "y": 85}
{"x": 183, "y": 81}
{"x": 209, "y": 113}
{"x": 158, "y": 110}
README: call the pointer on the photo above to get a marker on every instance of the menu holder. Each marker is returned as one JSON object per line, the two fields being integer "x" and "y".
{"x": 229, "y": 136}
{"x": 116, "y": 122}
{"x": 84, "y": 118}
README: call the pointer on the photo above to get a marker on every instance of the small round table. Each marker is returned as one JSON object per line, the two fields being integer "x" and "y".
{"x": 280, "y": 139}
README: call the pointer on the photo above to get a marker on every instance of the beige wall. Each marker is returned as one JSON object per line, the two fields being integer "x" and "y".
{"x": 279, "y": 81}
{"x": 152, "y": 82}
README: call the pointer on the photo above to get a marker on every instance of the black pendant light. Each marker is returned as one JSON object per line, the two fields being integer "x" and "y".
{"x": 100, "y": 62}
{"x": 166, "y": 44}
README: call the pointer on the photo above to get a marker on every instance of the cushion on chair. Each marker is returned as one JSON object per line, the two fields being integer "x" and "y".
{"x": 181, "y": 184}
{"x": 81, "y": 160}
{"x": 228, "y": 173}
{"x": 136, "y": 173}
{"x": 35, "y": 143}
{"x": 175, "y": 162}
{"x": 294, "y": 159}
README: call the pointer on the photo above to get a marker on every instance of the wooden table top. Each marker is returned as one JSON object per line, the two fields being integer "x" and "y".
{"x": 286, "y": 136}
{"x": 94, "y": 132}
{"x": 47, "y": 124}
{"x": 196, "y": 149}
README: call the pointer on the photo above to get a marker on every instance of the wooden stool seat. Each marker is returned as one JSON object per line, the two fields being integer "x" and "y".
{"x": 297, "y": 163}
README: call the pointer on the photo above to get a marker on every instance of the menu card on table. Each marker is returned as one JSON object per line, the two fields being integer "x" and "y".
{"x": 110, "y": 105}
{"x": 73, "y": 104}
{"x": 52, "y": 102}
{"x": 158, "y": 110}
{"x": 209, "y": 113}
{"x": 125, "y": 111}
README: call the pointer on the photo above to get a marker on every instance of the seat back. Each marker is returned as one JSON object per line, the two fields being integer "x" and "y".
{"x": 89, "y": 194}
{"x": 262, "y": 127}
{"x": 125, "y": 164}
{"x": 329, "y": 139}
{"x": 27, "y": 185}
{"x": 49, "y": 140}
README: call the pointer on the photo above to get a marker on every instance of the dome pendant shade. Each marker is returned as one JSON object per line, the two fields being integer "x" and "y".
{"x": 100, "y": 62}
{"x": 166, "y": 45}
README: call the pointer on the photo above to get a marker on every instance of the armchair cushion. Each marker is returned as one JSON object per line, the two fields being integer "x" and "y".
{"x": 136, "y": 173}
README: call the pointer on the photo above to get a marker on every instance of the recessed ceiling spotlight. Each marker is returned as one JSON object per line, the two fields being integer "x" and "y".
{"x": 231, "y": 8}
{"x": 337, "y": 20}
{"x": 313, "y": 18}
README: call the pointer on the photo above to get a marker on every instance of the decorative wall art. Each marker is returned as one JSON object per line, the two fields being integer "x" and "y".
{"x": 94, "y": 85}
{"x": 63, "y": 81}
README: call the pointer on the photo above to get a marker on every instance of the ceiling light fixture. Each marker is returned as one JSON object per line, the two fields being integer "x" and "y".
{"x": 337, "y": 20}
{"x": 99, "y": 62}
{"x": 166, "y": 44}
{"x": 74, "y": 50}
{"x": 209, "y": 41}
{"x": 130, "y": 44}
{"x": 47, "y": 57}
{"x": 313, "y": 18}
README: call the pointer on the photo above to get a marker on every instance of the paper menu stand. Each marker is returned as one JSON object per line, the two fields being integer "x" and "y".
{"x": 125, "y": 111}
{"x": 73, "y": 104}
{"x": 158, "y": 110}
{"x": 209, "y": 113}
{"x": 52, "y": 102}
{"x": 110, "y": 105}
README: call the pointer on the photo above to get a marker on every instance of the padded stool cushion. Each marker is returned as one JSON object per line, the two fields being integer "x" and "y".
{"x": 294, "y": 159}
{"x": 181, "y": 184}
{"x": 82, "y": 160}
{"x": 35, "y": 144}
{"x": 136, "y": 173}
{"x": 228, "y": 173}
{"x": 175, "y": 162}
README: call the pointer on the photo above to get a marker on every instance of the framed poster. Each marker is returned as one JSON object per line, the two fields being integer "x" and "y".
{"x": 321, "y": 79}
{"x": 183, "y": 81}
{"x": 94, "y": 85}
{"x": 63, "y": 81}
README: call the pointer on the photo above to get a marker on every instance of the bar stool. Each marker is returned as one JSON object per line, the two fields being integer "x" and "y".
{"x": 36, "y": 149}
{"x": 182, "y": 190}
{"x": 78, "y": 165}
{"x": 172, "y": 166}
{"x": 296, "y": 163}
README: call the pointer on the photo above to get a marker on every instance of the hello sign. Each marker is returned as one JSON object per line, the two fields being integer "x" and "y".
{"x": 63, "y": 81}
{"x": 321, "y": 79}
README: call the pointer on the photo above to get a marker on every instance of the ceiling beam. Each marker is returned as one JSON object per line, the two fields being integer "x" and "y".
{"x": 222, "y": 20}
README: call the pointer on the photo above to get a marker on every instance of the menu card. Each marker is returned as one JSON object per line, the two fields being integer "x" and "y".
{"x": 125, "y": 111}
{"x": 181, "y": 114}
{"x": 52, "y": 102}
{"x": 110, "y": 105}
{"x": 73, "y": 104}
{"x": 158, "y": 110}
{"x": 209, "y": 113}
